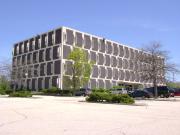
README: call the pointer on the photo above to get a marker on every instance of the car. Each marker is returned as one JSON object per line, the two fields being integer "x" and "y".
{"x": 83, "y": 92}
{"x": 118, "y": 91}
{"x": 171, "y": 92}
{"x": 177, "y": 92}
{"x": 140, "y": 93}
{"x": 163, "y": 91}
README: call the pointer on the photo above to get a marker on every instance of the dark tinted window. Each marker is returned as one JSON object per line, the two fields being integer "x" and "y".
{"x": 57, "y": 67}
{"x": 54, "y": 81}
{"x": 48, "y": 54}
{"x": 50, "y": 38}
{"x": 58, "y": 36}
{"x": 41, "y": 55}
{"x": 79, "y": 39}
{"x": 66, "y": 51}
{"x": 49, "y": 68}
{"x": 70, "y": 37}
{"x": 55, "y": 52}
{"x": 47, "y": 82}
{"x": 87, "y": 42}
{"x": 42, "y": 70}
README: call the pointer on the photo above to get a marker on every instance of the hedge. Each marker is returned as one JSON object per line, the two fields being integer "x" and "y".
{"x": 20, "y": 94}
{"x": 109, "y": 98}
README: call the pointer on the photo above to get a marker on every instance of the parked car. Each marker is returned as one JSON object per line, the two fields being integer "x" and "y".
{"x": 177, "y": 92}
{"x": 171, "y": 92}
{"x": 140, "y": 93}
{"x": 118, "y": 91}
{"x": 163, "y": 91}
{"x": 83, "y": 92}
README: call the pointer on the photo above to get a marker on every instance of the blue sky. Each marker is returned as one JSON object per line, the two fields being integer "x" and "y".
{"x": 131, "y": 22}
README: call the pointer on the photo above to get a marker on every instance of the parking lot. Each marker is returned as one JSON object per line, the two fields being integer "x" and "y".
{"x": 47, "y": 115}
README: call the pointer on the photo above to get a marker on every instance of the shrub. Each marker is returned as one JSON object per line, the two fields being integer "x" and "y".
{"x": 20, "y": 94}
{"x": 122, "y": 98}
{"x": 66, "y": 93}
{"x": 4, "y": 88}
{"x": 110, "y": 98}
{"x": 44, "y": 91}
{"x": 101, "y": 90}
{"x": 2, "y": 91}
{"x": 56, "y": 91}
{"x": 5, "y": 91}
{"x": 8, "y": 91}
{"x": 53, "y": 90}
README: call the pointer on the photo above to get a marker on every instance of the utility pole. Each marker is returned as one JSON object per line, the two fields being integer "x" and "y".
{"x": 173, "y": 77}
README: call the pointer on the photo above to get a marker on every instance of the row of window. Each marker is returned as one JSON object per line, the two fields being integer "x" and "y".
{"x": 38, "y": 83}
{"x": 100, "y": 45}
{"x": 95, "y": 83}
{"x": 116, "y": 62}
{"x": 43, "y": 69}
{"x": 111, "y": 73}
{"x": 38, "y": 42}
{"x": 102, "y": 83}
{"x": 37, "y": 56}
{"x": 108, "y": 73}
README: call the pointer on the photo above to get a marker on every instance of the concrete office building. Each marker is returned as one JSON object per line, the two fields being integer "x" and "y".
{"x": 41, "y": 61}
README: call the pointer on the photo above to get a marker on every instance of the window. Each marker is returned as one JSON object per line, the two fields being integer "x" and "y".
{"x": 50, "y": 38}
{"x": 121, "y": 51}
{"x": 79, "y": 39}
{"x": 56, "y": 52}
{"x": 20, "y": 48}
{"x": 115, "y": 49}
{"x": 24, "y": 59}
{"x": 57, "y": 67}
{"x": 95, "y": 71}
{"x": 126, "y": 52}
{"x": 69, "y": 37}
{"x": 94, "y": 44}
{"x": 49, "y": 68}
{"x": 46, "y": 41}
{"x": 42, "y": 69}
{"x": 58, "y": 36}
{"x": 54, "y": 81}
{"x": 102, "y": 45}
{"x": 87, "y": 42}
{"x": 100, "y": 59}
{"x": 15, "y": 49}
{"x": 41, "y": 55}
{"x": 66, "y": 51}
{"x": 25, "y": 46}
{"x": 36, "y": 70}
{"x": 108, "y": 60}
{"x": 29, "y": 58}
{"x": 108, "y": 47}
{"x": 48, "y": 54}
{"x": 39, "y": 42}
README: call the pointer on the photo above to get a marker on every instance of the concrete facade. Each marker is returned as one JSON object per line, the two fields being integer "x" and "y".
{"x": 41, "y": 61}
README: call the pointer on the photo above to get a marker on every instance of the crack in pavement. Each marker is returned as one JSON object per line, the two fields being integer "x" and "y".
{"x": 24, "y": 117}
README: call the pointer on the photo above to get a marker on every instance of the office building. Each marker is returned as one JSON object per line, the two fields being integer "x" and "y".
{"x": 41, "y": 61}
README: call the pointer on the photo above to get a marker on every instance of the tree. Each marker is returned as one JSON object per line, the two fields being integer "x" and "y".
{"x": 155, "y": 65}
{"x": 173, "y": 84}
{"x": 81, "y": 69}
{"x": 6, "y": 69}
{"x": 5, "y": 75}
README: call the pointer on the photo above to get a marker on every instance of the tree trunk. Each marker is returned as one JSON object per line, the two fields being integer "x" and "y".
{"x": 155, "y": 88}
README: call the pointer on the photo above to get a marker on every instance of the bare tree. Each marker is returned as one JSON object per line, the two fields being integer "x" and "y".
{"x": 5, "y": 74}
{"x": 155, "y": 65}
{"x": 5, "y": 69}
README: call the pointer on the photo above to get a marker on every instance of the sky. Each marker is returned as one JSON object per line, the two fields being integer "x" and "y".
{"x": 132, "y": 22}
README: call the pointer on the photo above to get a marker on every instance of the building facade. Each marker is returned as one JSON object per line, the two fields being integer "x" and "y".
{"x": 41, "y": 61}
